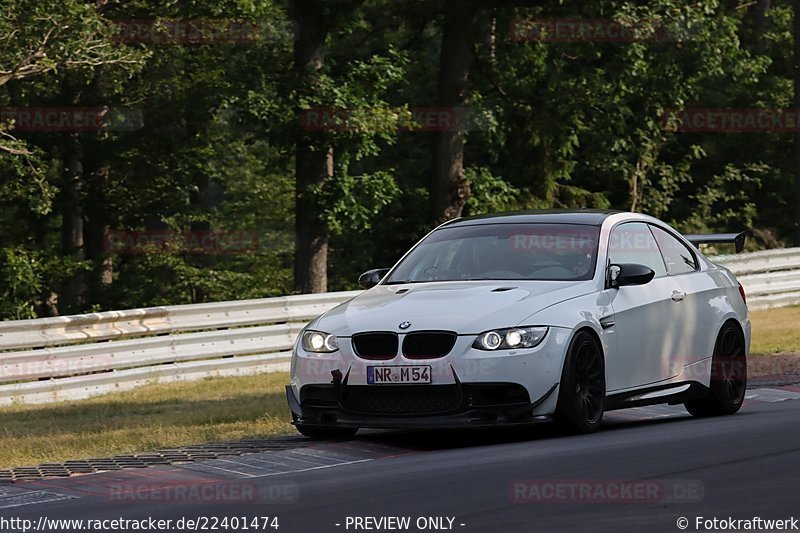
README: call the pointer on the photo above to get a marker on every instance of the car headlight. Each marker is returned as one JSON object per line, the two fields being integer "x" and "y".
{"x": 510, "y": 338}
{"x": 318, "y": 342}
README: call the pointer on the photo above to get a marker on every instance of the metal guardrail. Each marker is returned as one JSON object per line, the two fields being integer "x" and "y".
{"x": 73, "y": 357}
{"x": 770, "y": 278}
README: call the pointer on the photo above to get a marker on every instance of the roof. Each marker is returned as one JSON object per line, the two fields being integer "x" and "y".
{"x": 591, "y": 217}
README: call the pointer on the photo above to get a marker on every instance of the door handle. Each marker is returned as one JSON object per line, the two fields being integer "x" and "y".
{"x": 677, "y": 296}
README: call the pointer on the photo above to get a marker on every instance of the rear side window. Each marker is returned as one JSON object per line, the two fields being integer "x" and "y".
{"x": 677, "y": 256}
{"x": 632, "y": 242}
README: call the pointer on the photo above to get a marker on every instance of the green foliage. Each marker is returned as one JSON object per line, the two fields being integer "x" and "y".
{"x": 725, "y": 201}
{"x": 490, "y": 194}
{"x": 51, "y": 36}
{"x": 362, "y": 123}
{"x": 26, "y": 181}
{"x": 553, "y": 124}
{"x": 21, "y": 282}
{"x": 353, "y": 201}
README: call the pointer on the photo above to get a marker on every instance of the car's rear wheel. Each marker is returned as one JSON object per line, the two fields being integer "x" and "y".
{"x": 582, "y": 392}
{"x": 728, "y": 376}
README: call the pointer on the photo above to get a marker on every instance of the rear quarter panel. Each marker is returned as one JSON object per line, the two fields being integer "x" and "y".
{"x": 713, "y": 298}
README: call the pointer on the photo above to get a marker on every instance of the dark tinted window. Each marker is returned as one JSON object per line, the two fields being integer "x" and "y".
{"x": 677, "y": 256}
{"x": 502, "y": 252}
{"x": 632, "y": 242}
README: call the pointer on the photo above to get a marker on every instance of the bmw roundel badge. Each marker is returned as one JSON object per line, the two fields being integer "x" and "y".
{"x": 404, "y": 325}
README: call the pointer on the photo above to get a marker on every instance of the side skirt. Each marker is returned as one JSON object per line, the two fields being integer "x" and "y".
{"x": 671, "y": 393}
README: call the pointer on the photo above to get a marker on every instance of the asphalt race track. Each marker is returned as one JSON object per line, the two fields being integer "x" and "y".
{"x": 644, "y": 471}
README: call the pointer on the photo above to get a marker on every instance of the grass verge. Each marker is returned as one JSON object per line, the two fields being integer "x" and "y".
{"x": 144, "y": 419}
{"x": 775, "y": 331}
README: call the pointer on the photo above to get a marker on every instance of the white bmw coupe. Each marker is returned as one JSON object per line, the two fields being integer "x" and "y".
{"x": 505, "y": 319}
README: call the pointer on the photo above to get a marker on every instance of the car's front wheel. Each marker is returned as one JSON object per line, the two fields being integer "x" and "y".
{"x": 582, "y": 392}
{"x": 728, "y": 376}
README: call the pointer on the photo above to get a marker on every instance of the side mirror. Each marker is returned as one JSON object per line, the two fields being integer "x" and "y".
{"x": 629, "y": 274}
{"x": 370, "y": 278}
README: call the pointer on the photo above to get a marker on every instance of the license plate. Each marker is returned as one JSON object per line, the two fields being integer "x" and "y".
{"x": 379, "y": 375}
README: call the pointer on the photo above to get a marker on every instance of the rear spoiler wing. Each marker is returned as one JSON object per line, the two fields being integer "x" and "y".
{"x": 718, "y": 238}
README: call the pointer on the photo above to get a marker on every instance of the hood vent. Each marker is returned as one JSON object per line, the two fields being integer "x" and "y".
{"x": 503, "y": 289}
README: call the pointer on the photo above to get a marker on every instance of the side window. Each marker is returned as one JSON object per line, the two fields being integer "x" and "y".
{"x": 633, "y": 243}
{"x": 677, "y": 256}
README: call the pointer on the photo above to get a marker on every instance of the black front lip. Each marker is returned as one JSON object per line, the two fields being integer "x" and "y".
{"x": 483, "y": 416}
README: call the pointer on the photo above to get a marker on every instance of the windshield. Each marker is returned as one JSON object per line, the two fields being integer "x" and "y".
{"x": 559, "y": 252}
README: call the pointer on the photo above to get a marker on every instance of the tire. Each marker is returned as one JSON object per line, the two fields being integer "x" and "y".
{"x": 582, "y": 391}
{"x": 728, "y": 376}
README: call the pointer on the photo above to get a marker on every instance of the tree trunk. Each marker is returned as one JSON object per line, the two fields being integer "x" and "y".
{"x": 760, "y": 22}
{"x": 96, "y": 228}
{"x": 72, "y": 241}
{"x": 449, "y": 187}
{"x": 796, "y": 66}
{"x": 95, "y": 204}
{"x": 311, "y": 240}
{"x": 314, "y": 156}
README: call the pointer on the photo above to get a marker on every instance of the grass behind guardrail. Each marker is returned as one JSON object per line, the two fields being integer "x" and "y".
{"x": 775, "y": 331}
{"x": 169, "y": 415}
{"x": 147, "y": 418}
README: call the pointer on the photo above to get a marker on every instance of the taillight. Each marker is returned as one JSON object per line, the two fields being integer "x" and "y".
{"x": 741, "y": 291}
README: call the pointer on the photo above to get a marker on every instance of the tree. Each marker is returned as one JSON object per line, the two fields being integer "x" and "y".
{"x": 47, "y": 45}
{"x": 313, "y": 157}
{"x": 41, "y": 37}
{"x": 449, "y": 187}
{"x": 338, "y": 188}
{"x": 796, "y": 210}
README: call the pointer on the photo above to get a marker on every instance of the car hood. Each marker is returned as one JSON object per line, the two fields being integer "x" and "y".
{"x": 466, "y": 307}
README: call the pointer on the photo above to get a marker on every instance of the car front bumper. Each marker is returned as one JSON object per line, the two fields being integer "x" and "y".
{"x": 469, "y": 387}
{"x": 466, "y": 413}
